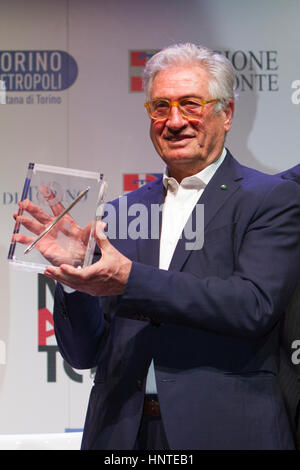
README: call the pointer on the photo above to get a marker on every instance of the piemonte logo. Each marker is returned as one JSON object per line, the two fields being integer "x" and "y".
{"x": 255, "y": 70}
{"x": 137, "y": 62}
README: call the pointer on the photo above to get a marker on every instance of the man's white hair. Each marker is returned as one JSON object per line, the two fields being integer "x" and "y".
{"x": 222, "y": 77}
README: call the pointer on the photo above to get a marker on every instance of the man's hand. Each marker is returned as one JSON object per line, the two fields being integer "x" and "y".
{"x": 72, "y": 251}
{"x": 108, "y": 276}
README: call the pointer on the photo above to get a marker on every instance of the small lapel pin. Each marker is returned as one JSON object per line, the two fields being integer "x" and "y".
{"x": 223, "y": 186}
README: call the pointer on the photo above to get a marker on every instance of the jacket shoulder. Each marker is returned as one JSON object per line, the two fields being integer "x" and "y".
{"x": 291, "y": 174}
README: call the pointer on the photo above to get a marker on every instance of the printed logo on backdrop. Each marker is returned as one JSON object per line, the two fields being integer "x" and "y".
{"x": 132, "y": 181}
{"x": 35, "y": 77}
{"x": 65, "y": 196}
{"x": 255, "y": 70}
{"x": 46, "y": 338}
{"x": 137, "y": 62}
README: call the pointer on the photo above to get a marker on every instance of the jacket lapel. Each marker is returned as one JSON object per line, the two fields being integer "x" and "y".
{"x": 221, "y": 187}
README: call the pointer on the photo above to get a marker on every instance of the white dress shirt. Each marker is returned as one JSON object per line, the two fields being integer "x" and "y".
{"x": 178, "y": 206}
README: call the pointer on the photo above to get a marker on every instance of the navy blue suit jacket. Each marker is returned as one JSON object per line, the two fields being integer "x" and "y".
{"x": 292, "y": 174}
{"x": 211, "y": 323}
{"x": 289, "y": 370}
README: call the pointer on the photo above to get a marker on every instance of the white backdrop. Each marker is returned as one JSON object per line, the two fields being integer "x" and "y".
{"x": 99, "y": 124}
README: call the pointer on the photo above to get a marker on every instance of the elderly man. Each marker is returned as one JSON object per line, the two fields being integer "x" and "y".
{"x": 185, "y": 337}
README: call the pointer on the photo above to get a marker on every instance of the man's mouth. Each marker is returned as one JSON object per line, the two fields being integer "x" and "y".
{"x": 178, "y": 138}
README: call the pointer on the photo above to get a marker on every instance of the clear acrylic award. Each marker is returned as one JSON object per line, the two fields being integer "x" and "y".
{"x": 56, "y": 220}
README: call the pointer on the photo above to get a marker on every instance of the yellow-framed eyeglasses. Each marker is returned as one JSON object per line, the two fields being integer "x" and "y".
{"x": 159, "y": 109}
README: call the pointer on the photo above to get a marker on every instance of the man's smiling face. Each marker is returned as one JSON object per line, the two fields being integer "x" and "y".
{"x": 188, "y": 145}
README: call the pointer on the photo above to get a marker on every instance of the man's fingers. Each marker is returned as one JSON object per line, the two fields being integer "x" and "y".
{"x": 101, "y": 239}
{"x": 56, "y": 206}
{"x": 85, "y": 233}
{"x": 23, "y": 239}
{"x": 35, "y": 211}
{"x": 69, "y": 275}
{"x": 43, "y": 216}
{"x": 50, "y": 198}
{"x": 31, "y": 224}
{"x": 63, "y": 270}
{"x": 67, "y": 225}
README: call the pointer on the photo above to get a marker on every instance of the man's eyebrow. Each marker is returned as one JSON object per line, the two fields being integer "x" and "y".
{"x": 180, "y": 98}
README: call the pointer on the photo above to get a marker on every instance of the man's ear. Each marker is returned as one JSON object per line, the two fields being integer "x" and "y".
{"x": 228, "y": 112}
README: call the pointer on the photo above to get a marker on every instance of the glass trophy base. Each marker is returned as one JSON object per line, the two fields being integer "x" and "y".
{"x": 56, "y": 220}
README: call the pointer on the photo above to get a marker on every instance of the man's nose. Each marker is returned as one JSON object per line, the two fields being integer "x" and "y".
{"x": 175, "y": 119}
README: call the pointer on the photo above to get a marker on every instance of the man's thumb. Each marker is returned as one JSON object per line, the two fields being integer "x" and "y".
{"x": 100, "y": 236}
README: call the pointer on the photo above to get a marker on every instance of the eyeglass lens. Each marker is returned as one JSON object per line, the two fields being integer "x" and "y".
{"x": 188, "y": 107}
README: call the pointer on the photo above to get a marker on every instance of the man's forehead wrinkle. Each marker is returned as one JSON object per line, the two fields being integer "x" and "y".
{"x": 177, "y": 82}
{"x": 185, "y": 96}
